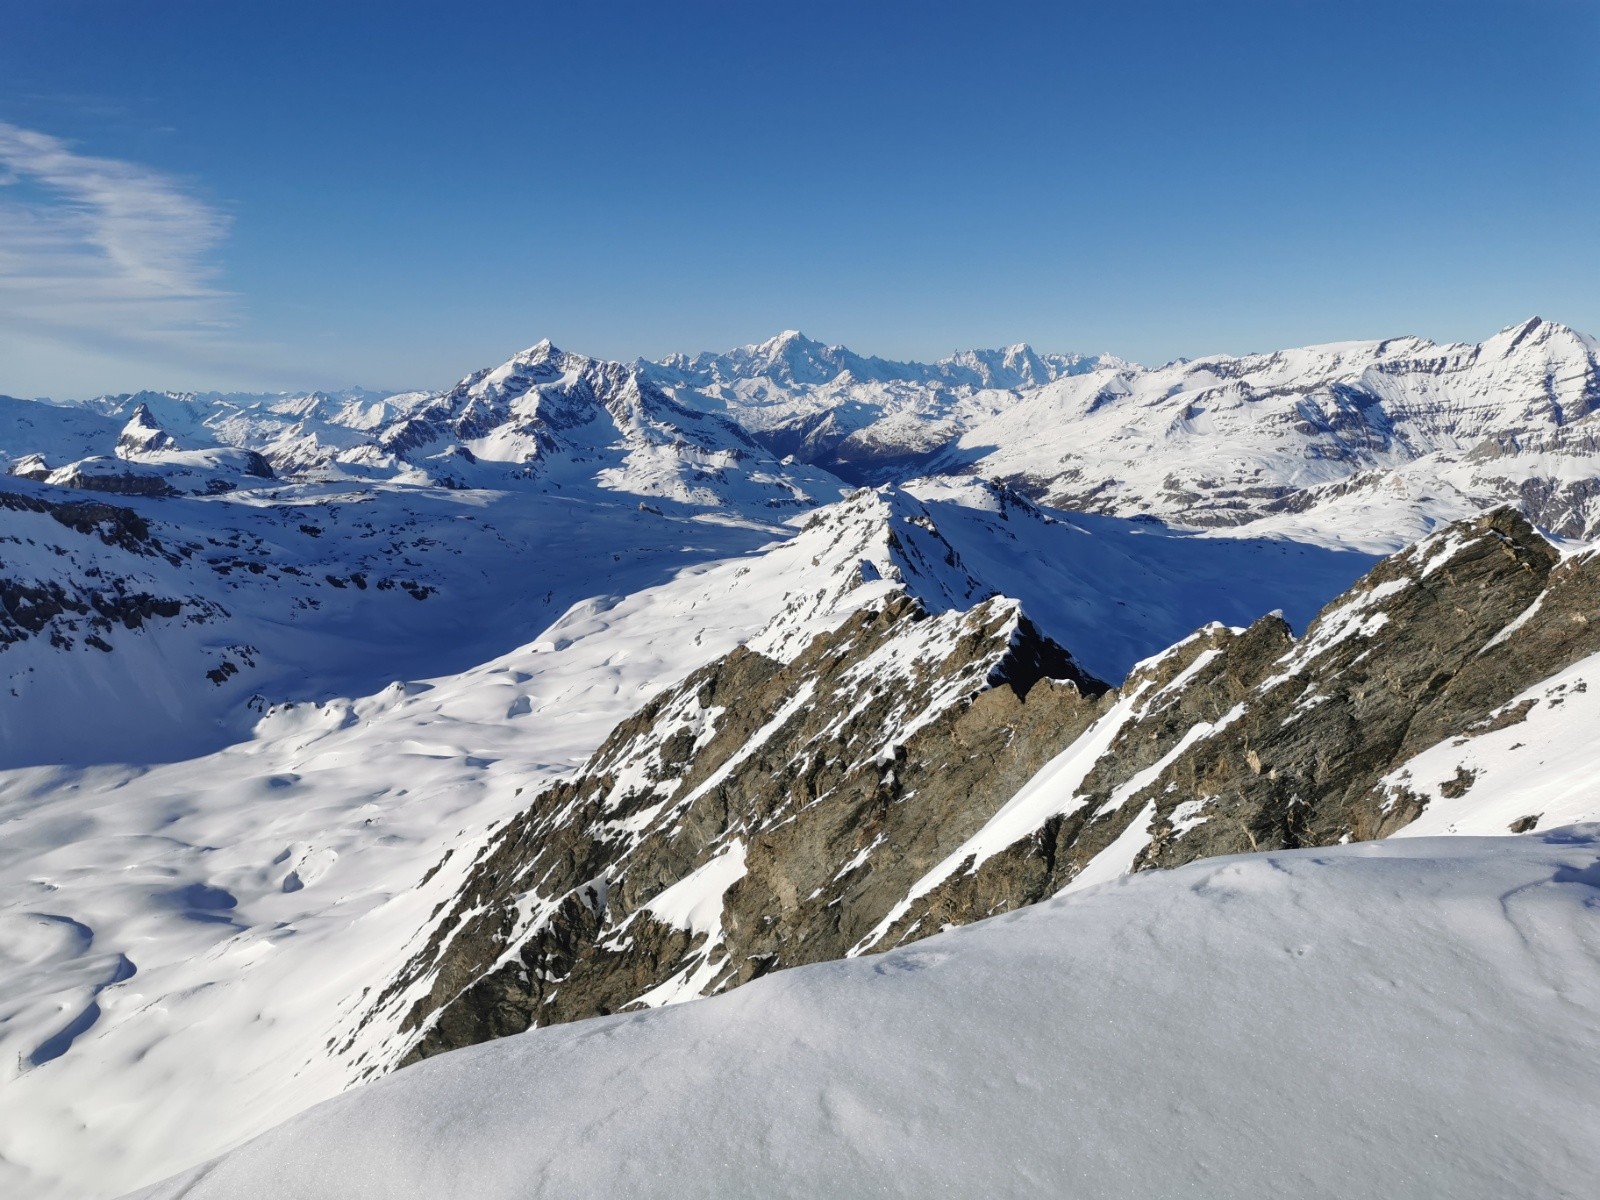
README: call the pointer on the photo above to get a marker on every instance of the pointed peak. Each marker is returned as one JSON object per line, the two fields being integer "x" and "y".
{"x": 786, "y": 340}
{"x": 143, "y": 433}
{"x": 1536, "y": 331}
{"x": 542, "y": 349}
{"x": 1520, "y": 333}
{"x": 141, "y": 418}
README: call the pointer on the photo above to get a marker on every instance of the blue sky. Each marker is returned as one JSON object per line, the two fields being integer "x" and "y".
{"x": 244, "y": 194}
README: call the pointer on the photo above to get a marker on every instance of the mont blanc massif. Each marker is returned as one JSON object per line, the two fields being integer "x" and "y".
{"x": 1047, "y": 775}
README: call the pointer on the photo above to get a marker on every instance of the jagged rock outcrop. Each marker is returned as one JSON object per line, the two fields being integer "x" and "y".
{"x": 908, "y": 772}
{"x": 143, "y": 435}
{"x": 1239, "y": 741}
{"x": 759, "y": 815}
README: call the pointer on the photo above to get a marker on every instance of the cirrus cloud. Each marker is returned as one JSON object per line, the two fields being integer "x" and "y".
{"x": 102, "y": 248}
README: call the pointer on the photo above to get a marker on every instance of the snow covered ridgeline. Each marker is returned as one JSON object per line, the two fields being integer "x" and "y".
{"x": 757, "y": 815}
{"x": 1433, "y": 431}
{"x": 391, "y": 776}
{"x": 306, "y": 583}
{"x": 388, "y": 776}
{"x": 1361, "y": 443}
{"x": 1202, "y": 777}
{"x": 543, "y": 420}
{"x": 849, "y": 813}
{"x": 1369, "y": 444}
{"x": 1396, "y": 1018}
{"x": 1238, "y": 740}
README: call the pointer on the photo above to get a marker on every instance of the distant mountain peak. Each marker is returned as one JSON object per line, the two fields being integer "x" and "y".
{"x": 791, "y": 359}
{"x": 540, "y": 351}
{"x": 1537, "y": 331}
{"x": 143, "y": 434}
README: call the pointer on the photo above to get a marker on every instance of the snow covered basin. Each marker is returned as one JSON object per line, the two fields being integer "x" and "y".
{"x": 1405, "y": 1018}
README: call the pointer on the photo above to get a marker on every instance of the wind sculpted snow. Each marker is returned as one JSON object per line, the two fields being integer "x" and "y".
{"x": 1402, "y": 1018}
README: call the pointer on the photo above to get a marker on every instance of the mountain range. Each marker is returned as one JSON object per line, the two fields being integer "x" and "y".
{"x": 344, "y": 731}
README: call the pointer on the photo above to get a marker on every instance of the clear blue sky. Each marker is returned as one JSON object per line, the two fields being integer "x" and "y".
{"x": 205, "y": 193}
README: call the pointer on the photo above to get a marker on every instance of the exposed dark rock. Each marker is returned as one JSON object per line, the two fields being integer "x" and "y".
{"x": 67, "y": 611}
{"x": 842, "y": 802}
{"x": 839, "y": 778}
{"x": 120, "y": 483}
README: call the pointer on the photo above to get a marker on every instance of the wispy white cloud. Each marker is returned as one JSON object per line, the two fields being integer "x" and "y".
{"x": 102, "y": 248}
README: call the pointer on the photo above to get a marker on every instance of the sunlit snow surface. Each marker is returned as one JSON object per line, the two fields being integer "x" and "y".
{"x": 183, "y": 943}
{"x": 1411, "y": 1018}
{"x": 179, "y": 942}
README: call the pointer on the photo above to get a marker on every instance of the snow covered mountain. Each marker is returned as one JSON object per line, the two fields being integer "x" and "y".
{"x": 791, "y": 359}
{"x": 866, "y": 419}
{"x": 1327, "y": 434}
{"x": 269, "y": 423}
{"x": 1362, "y": 443}
{"x": 338, "y": 732}
{"x": 1366, "y": 444}
{"x": 544, "y": 416}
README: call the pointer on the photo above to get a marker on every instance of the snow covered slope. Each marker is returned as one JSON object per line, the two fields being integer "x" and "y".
{"x": 1438, "y": 431}
{"x": 909, "y": 771}
{"x": 1401, "y": 1018}
{"x": 261, "y": 865}
{"x": 155, "y": 629}
{"x": 183, "y": 945}
{"x": 263, "y": 732}
{"x": 208, "y": 587}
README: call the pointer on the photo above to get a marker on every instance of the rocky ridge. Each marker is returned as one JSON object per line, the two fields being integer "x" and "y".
{"x": 758, "y": 815}
{"x": 908, "y": 772}
{"x": 1243, "y": 740}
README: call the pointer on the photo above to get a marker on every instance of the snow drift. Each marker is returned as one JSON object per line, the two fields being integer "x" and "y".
{"x": 1404, "y": 1018}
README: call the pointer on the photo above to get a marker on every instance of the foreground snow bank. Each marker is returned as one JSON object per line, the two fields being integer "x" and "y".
{"x": 1403, "y": 1018}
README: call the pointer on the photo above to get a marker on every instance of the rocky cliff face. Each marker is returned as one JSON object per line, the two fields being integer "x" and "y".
{"x": 907, "y": 771}
{"x": 759, "y": 815}
{"x": 1236, "y": 741}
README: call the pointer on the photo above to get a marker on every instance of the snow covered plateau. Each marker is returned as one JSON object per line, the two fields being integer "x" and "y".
{"x": 1044, "y": 774}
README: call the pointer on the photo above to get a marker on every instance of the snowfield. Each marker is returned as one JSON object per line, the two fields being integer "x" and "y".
{"x": 1411, "y": 1018}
